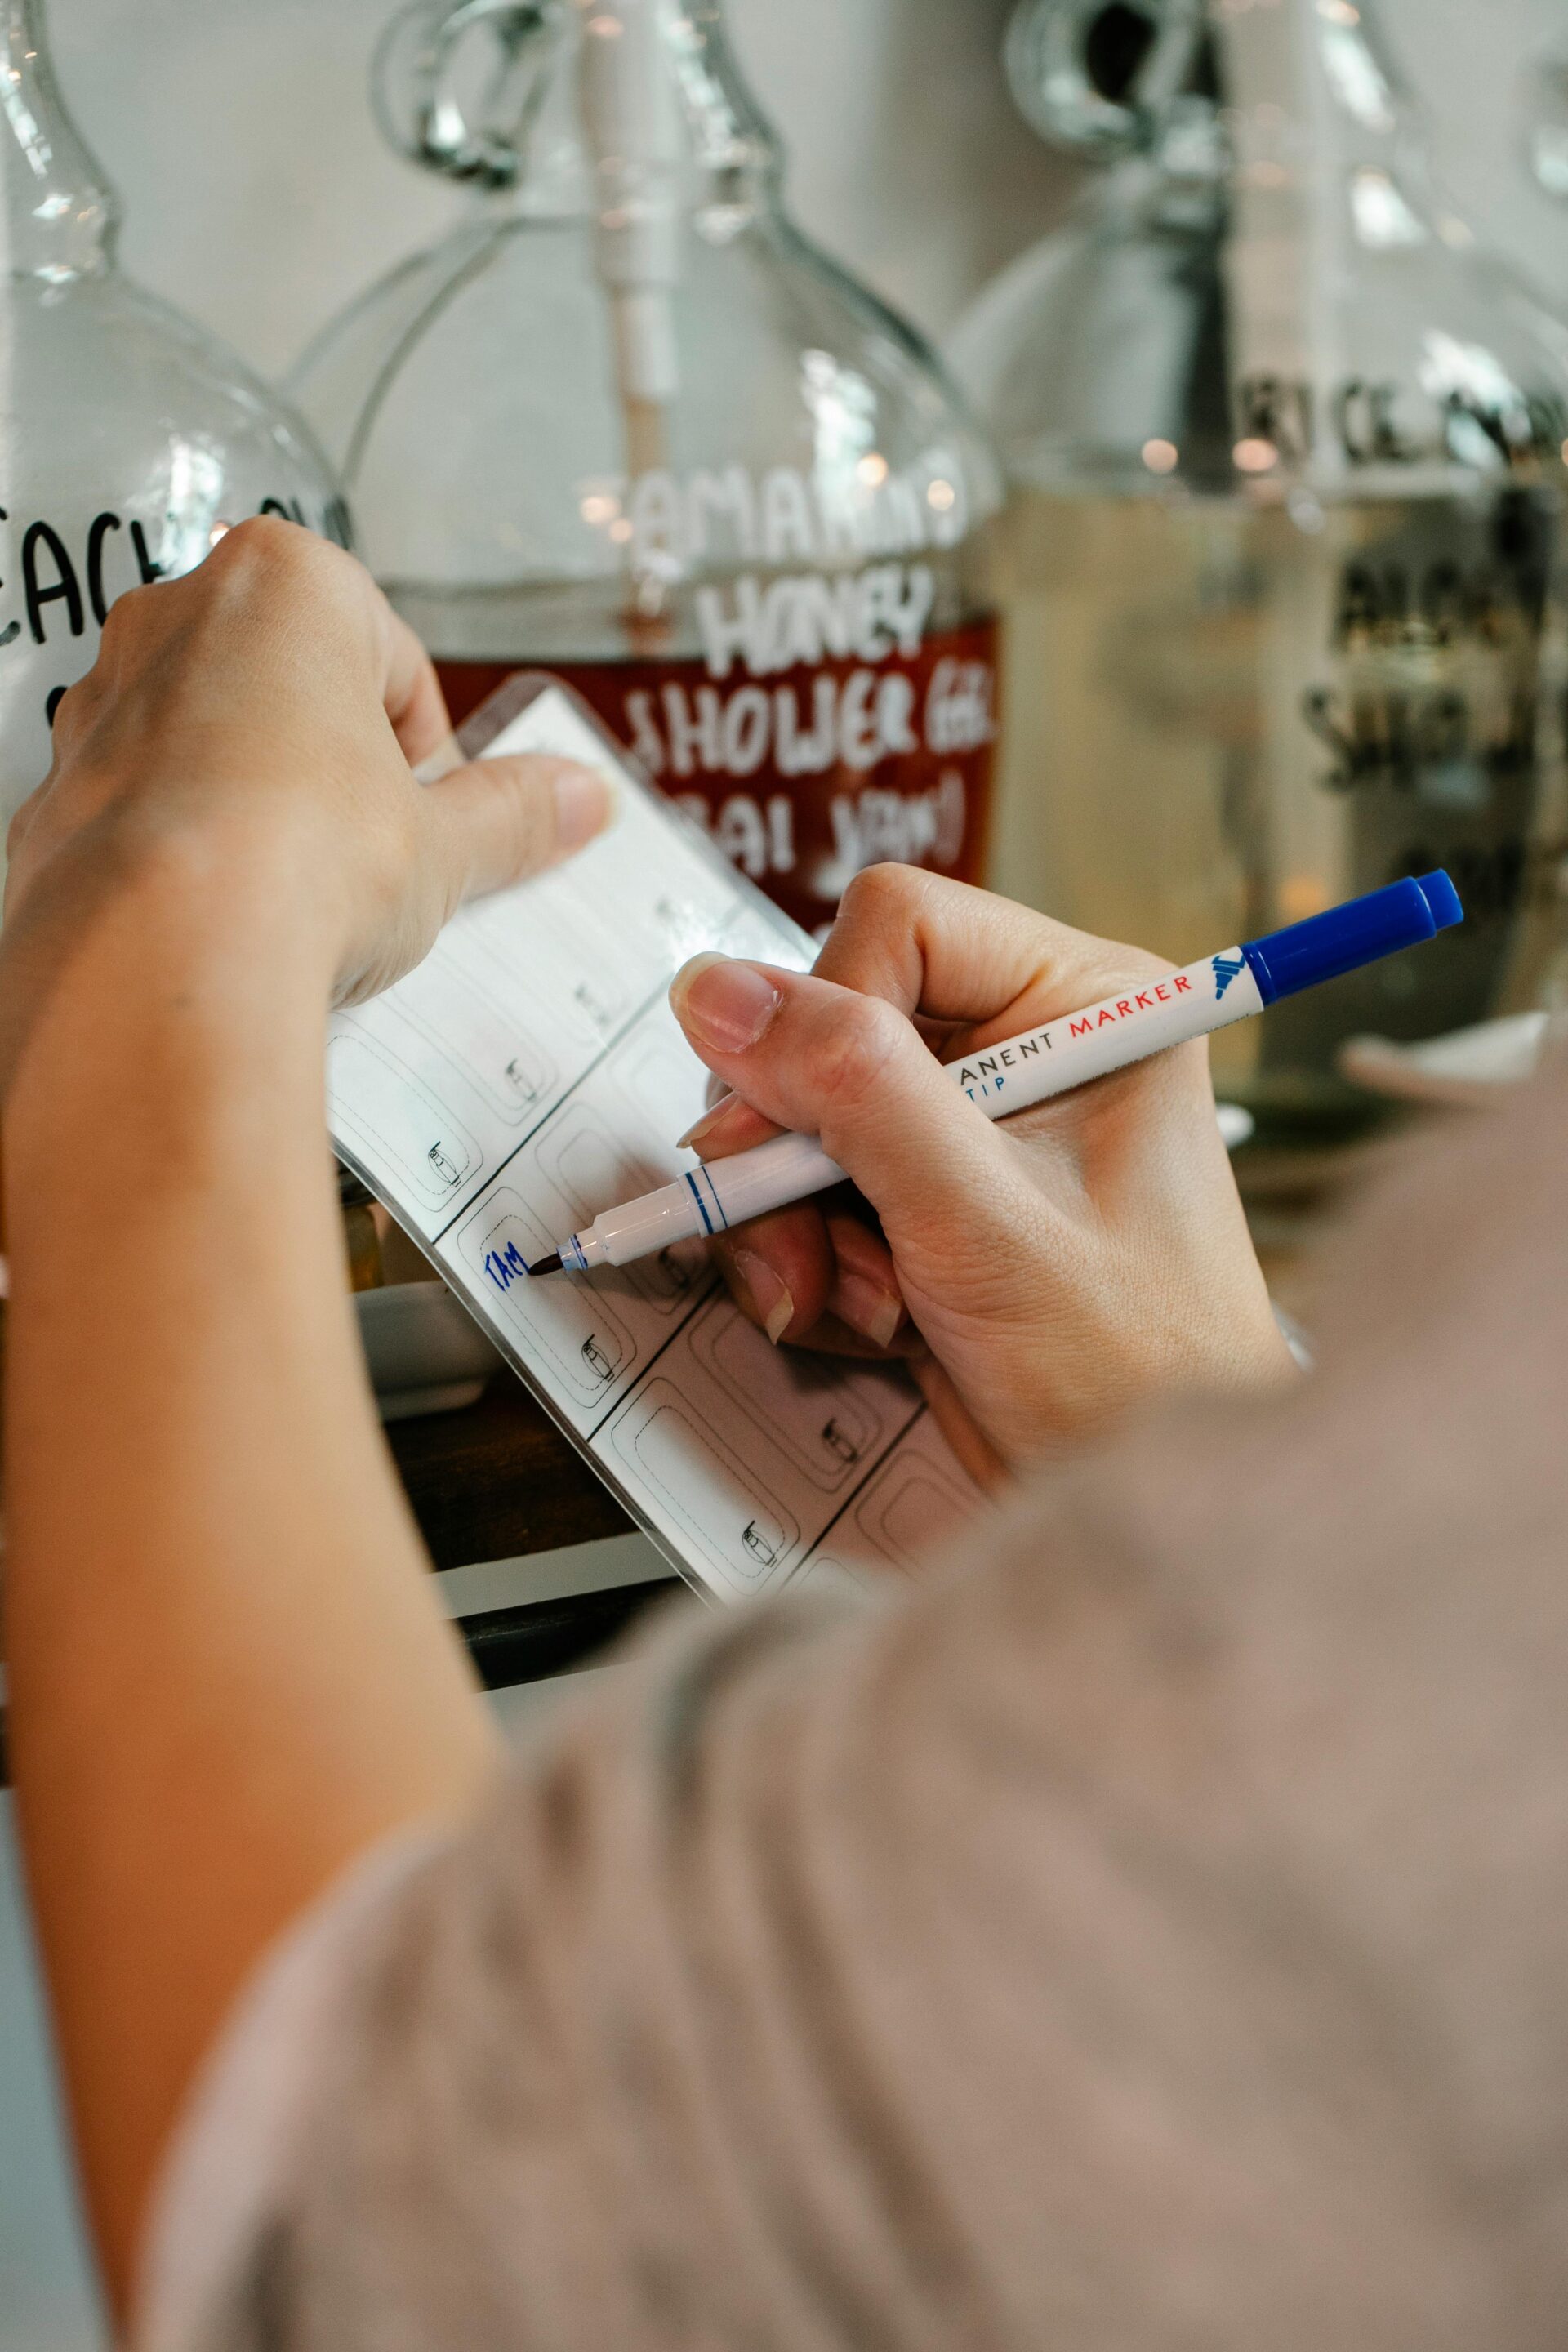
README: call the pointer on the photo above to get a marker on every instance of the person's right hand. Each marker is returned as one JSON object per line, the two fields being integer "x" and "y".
{"x": 1090, "y": 1253}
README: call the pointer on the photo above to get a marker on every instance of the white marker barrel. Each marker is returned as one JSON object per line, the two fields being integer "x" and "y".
{"x": 1107, "y": 1036}
{"x": 1006, "y": 1078}
{"x": 1022, "y": 1071}
{"x": 707, "y": 1200}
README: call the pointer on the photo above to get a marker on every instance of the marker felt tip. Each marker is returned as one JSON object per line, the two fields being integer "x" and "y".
{"x": 1050, "y": 1060}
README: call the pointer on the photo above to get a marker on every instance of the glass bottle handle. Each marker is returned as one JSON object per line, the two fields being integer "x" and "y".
{"x": 1096, "y": 75}
{"x": 415, "y": 90}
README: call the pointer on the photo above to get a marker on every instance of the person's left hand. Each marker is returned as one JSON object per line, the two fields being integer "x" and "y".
{"x": 248, "y": 735}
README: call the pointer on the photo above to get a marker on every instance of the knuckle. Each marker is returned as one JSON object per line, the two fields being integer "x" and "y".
{"x": 260, "y": 539}
{"x": 267, "y": 574}
{"x": 1088, "y": 967}
{"x": 133, "y": 625}
{"x": 73, "y": 711}
{"x": 80, "y": 713}
{"x": 265, "y": 553}
{"x": 883, "y": 893}
{"x": 121, "y": 624}
{"x": 865, "y": 1037}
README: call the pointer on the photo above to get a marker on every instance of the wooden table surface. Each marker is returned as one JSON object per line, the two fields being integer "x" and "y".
{"x": 497, "y": 1480}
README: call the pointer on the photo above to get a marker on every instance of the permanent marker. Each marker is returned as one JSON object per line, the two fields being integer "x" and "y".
{"x": 1050, "y": 1060}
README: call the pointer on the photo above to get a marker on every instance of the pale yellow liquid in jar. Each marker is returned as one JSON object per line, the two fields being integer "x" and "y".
{"x": 1216, "y": 721}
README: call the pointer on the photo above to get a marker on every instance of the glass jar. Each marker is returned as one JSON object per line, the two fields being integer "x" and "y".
{"x": 127, "y": 437}
{"x": 1545, "y": 121}
{"x": 628, "y": 424}
{"x": 1285, "y": 606}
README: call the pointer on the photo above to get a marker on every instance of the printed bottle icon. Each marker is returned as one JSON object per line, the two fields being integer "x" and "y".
{"x": 843, "y": 1449}
{"x": 443, "y": 1166}
{"x": 127, "y": 438}
{"x": 762, "y": 1543}
{"x": 627, "y": 424}
{"x": 1285, "y": 577}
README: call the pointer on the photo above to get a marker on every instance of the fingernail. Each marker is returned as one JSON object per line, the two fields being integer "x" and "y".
{"x": 585, "y": 803}
{"x": 440, "y": 761}
{"x": 702, "y": 1129}
{"x": 722, "y": 1004}
{"x": 770, "y": 1300}
{"x": 868, "y": 1308}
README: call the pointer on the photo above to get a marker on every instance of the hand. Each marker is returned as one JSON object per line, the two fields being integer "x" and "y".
{"x": 1042, "y": 1275}
{"x": 225, "y": 1656}
{"x": 253, "y": 728}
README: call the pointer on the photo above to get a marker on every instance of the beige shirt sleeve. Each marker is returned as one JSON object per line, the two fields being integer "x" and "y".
{"x": 1152, "y": 1933}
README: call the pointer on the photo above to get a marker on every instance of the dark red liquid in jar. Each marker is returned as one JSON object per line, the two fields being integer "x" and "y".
{"x": 806, "y": 776}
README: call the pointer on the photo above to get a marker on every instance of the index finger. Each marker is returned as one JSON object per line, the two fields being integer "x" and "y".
{"x": 411, "y": 693}
{"x": 966, "y": 966}
{"x": 945, "y": 949}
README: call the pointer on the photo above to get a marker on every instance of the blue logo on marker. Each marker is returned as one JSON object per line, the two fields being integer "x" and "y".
{"x": 1225, "y": 969}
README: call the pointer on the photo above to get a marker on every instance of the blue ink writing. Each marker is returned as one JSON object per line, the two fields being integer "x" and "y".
{"x": 505, "y": 1268}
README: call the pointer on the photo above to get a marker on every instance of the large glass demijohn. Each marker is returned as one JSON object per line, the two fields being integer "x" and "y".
{"x": 1285, "y": 614}
{"x": 128, "y": 436}
{"x": 625, "y": 423}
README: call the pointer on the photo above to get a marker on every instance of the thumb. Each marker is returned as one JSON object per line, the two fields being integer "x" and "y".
{"x": 498, "y": 821}
{"x": 849, "y": 1069}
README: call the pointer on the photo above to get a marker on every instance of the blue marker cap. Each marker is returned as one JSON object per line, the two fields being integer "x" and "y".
{"x": 1346, "y": 937}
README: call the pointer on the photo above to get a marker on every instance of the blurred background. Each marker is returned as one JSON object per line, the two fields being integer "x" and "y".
{"x": 260, "y": 198}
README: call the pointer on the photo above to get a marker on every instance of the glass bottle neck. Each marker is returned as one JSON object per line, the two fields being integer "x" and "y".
{"x": 1199, "y": 87}
{"x": 58, "y": 215}
{"x": 1308, "y": 88}
{"x": 638, "y": 107}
